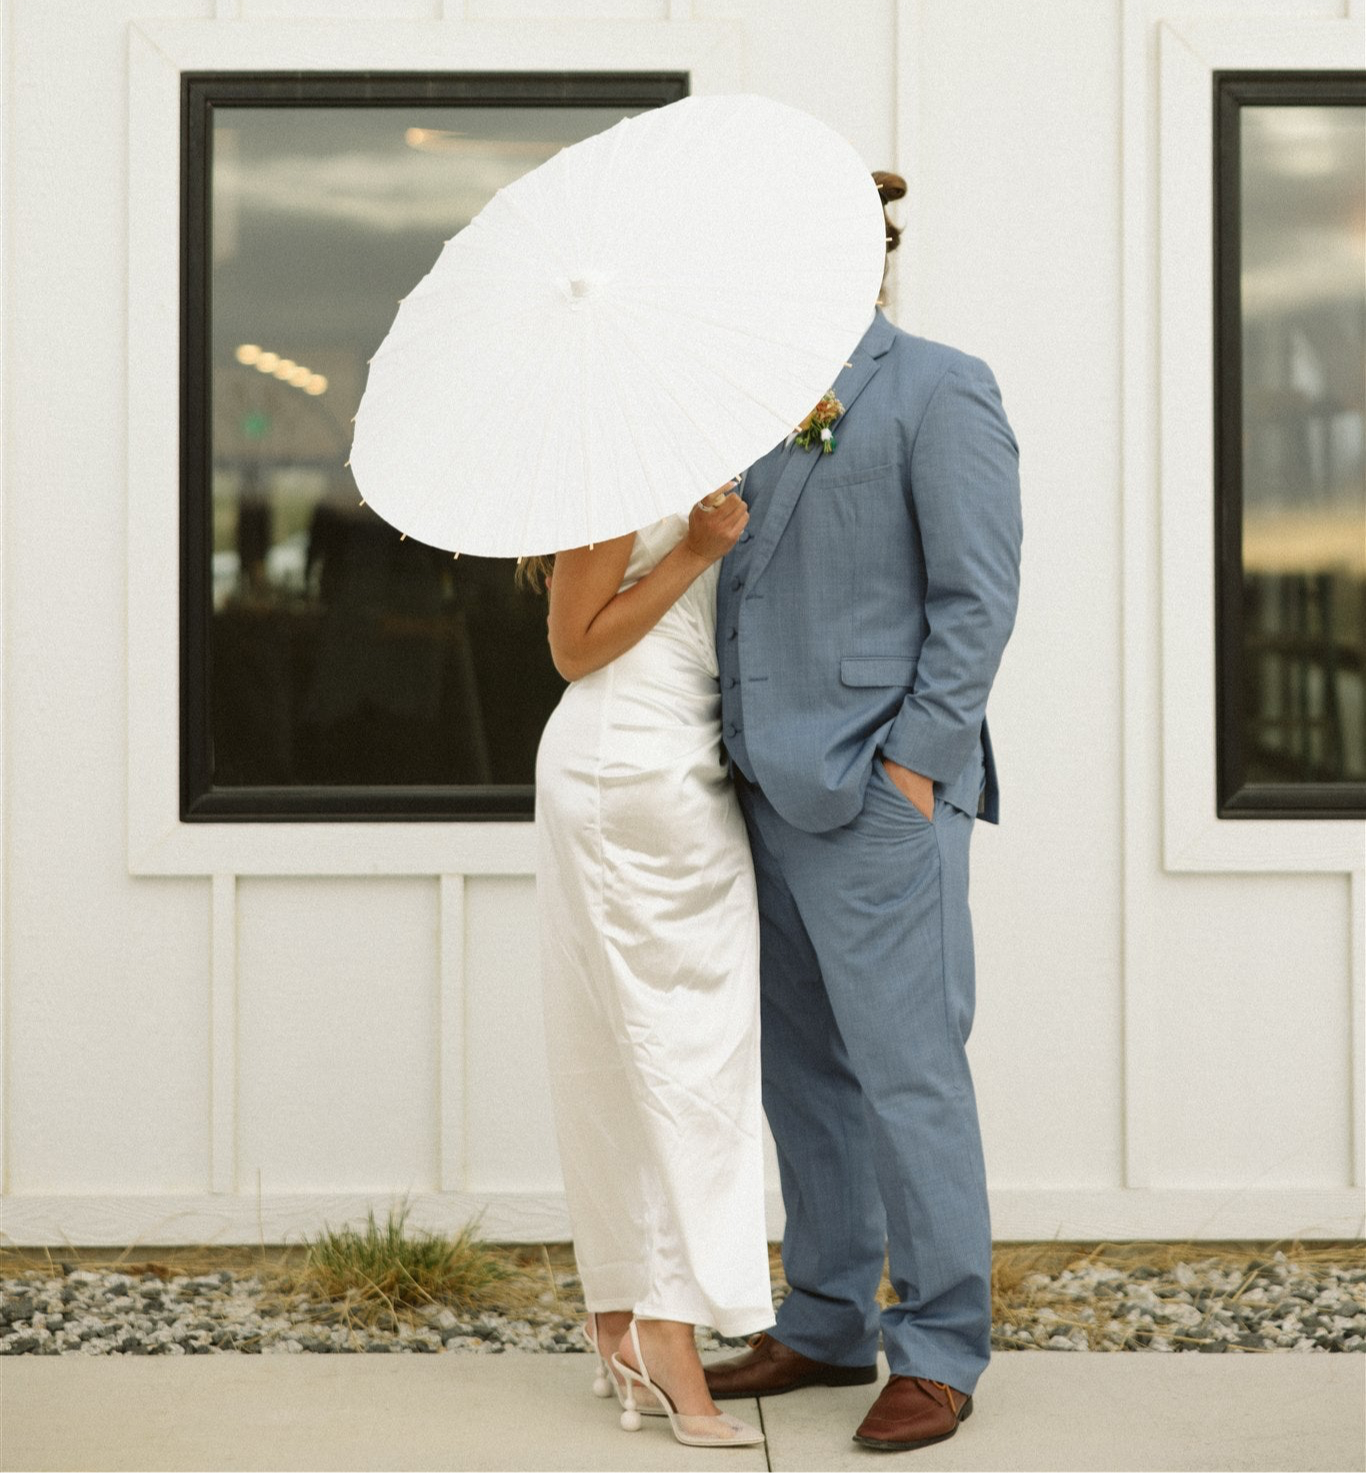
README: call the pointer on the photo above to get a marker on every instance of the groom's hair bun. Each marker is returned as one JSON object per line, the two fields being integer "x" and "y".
{"x": 889, "y": 187}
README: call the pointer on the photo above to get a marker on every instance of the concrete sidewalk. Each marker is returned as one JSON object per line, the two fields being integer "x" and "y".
{"x": 1033, "y": 1410}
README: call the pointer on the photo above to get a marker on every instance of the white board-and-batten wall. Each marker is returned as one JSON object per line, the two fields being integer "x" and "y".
{"x": 225, "y": 1032}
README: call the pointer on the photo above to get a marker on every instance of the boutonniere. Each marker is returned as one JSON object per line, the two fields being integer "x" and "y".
{"x": 816, "y": 425}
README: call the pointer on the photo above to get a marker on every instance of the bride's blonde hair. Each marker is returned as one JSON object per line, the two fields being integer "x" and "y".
{"x": 532, "y": 572}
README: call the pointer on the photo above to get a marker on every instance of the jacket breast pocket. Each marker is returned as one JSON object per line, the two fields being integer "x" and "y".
{"x": 878, "y": 670}
{"x": 836, "y": 478}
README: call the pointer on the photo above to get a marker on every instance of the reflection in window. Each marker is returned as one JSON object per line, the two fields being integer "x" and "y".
{"x": 338, "y": 653}
{"x": 1300, "y": 689}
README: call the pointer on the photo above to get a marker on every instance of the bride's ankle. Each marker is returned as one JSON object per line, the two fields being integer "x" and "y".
{"x": 669, "y": 1349}
{"x": 611, "y": 1325}
{"x": 668, "y": 1338}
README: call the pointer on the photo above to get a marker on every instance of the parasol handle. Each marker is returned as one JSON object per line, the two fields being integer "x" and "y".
{"x": 715, "y": 498}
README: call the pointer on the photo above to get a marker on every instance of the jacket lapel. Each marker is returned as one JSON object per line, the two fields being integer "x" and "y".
{"x": 849, "y": 384}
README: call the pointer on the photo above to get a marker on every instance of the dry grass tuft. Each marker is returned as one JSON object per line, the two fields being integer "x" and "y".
{"x": 384, "y": 1272}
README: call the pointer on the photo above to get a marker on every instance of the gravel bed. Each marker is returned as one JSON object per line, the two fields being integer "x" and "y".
{"x": 1206, "y": 1306}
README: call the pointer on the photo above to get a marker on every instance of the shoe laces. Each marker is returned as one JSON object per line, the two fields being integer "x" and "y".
{"x": 948, "y": 1394}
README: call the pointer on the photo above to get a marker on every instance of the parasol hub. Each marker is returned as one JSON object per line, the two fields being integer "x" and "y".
{"x": 584, "y": 287}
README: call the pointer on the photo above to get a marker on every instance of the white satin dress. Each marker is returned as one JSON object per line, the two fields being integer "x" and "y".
{"x": 649, "y": 932}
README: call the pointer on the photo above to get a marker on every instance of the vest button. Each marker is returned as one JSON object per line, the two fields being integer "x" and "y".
{"x": 730, "y": 682}
{"x": 737, "y": 584}
{"x": 732, "y": 634}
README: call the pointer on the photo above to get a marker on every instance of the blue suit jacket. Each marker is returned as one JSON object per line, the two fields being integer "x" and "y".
{"x": 869, "y": 603}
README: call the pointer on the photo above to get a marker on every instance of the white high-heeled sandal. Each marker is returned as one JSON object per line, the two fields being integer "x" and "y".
{"x": 605, "y": 1383}
{"x": 695, "y": 1431}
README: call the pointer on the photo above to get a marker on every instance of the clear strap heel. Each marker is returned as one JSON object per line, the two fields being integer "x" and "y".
{"x": 604, "y": 1383}
{"x": 694, "y": 1431}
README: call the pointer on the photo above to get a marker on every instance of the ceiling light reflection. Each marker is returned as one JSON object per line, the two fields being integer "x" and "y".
{"x": 297, "y": 375}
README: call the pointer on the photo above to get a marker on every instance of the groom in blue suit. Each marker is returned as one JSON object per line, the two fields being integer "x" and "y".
{"x": 861, "y": 619}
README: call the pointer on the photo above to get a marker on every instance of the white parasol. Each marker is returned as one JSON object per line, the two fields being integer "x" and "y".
{"x": 622, "y": 329}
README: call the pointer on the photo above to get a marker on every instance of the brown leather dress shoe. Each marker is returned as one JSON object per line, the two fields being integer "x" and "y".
{"x": 913, "y": 1411}
{"x": 768, "y": 1368}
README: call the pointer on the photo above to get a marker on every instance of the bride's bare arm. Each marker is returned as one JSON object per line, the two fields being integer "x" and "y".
{"x": 591, "y": 623}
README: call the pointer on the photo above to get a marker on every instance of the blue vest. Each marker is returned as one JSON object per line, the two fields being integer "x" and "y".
{"x": 759, "y": 481}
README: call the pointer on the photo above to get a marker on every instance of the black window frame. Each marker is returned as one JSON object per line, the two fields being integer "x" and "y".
{"x": 1235, "y": 797}
{"x": 201, "y": 92}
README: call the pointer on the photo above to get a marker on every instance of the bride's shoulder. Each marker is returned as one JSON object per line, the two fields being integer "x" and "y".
{"x": 667, "y": 530}
{"x": 652, "y": 542}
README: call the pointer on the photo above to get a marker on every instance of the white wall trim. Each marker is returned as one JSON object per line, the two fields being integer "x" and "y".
{"x": 452, "y": 1063}
{"x": 1189, "y": 52}
{"x": 158, "y": 51}
{"x": 1019, "y": 1214}
{"x": 1356, "y": 1040}
{"x": 1136, "y": 729}
{"x": 223, "y": 1034}
{"x": 6, "y": 21}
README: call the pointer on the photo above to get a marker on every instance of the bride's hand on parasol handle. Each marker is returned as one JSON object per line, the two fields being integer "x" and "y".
{"x": 715, "y": 498}
{"x": 592, "y": 619}
{"x": 716, "y": 522}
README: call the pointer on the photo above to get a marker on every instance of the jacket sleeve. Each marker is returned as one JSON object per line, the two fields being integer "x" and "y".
{"x": 965, "y": 492}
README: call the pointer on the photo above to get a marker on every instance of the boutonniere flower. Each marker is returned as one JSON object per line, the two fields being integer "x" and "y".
{"x": 816, "y": 426}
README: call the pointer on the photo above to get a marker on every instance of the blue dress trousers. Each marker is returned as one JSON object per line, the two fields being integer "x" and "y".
{"x": 864, "y": 613}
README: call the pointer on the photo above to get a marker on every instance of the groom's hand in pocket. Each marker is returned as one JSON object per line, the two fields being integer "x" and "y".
{"x": 916, "y": 789}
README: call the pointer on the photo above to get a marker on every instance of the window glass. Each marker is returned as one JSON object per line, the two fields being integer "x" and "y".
{"x": 340, "y": 653}
{"x": 1303, "y": 307}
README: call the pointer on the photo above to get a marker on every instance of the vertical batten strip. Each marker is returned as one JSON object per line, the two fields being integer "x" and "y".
{"x": 907, "y": 48}
{"x": 223, "y": 1036}
{"x": 1137, "y": 540}
{"x": 1356, "y": 925}
{"x": 5, "y": 23}
{"x": 450, "y": 1034}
